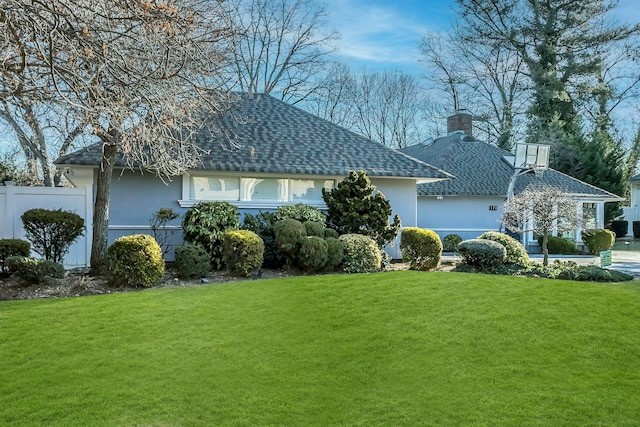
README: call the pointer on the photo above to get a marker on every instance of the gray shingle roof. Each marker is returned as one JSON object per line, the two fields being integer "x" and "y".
{"x": 480, "y": 169}
{"x": 276, "y": 137}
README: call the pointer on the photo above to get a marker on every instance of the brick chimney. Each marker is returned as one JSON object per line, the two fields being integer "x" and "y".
{"x": 460, "y": 121}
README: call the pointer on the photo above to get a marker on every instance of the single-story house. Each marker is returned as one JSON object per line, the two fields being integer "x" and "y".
{"x": 472, "y": 203}
{"x": 632, "y": 212}
{"x": 281, "y": 155}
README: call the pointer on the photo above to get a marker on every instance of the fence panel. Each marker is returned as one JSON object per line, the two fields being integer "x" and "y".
{"x": 15, "y": 200}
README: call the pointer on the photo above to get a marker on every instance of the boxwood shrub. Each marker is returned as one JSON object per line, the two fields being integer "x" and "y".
{"x": 598, "y": 239}
{"x": 242, "y": 251}
{"x": 12, "y": 247}
{"x": 482, "y": 253}
{"x": 135, "y": 260}
{"x": 314, "y": 254}
{"x": 289, "y": 234}
{"x": 51, "y": 232}
{"x": 32, "y": 270}
{"x": 191, "y": 261}
{"x": 421, "y": 248}
{"x": 516, "y": 253}
{"x": 450, "y": 242}
{"x": 335, "y": 253}
{"x": 560, "y": 245}
{"x": 361, "y": 254}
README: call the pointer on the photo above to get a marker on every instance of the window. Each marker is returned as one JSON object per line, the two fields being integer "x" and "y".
{"x": 261, "y": 191}
{"x": 493, "y": 207}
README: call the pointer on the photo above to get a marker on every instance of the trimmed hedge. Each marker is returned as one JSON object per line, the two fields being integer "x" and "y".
{"x": 421, "y": 248}
{"x": 482, "y": 253}
{"x": 289, "y": 234}
{"x": 335, "y": 253}
{"x": 191, "y": 261}
{"x": 620, "y": 228}
{"x": 12, "y": 247}
{"x": 450, "y": 242}
{"x": 135, "y": 260}
{"x": 242, "y": 251}
{"x": 51, "y": 232}
{"x": 361, "y": 254}
{"x": 314, "y": 254}
{"x": 516, "y": 253}
{"x": 598, "y": 239}
{"x": 560, "y": 245}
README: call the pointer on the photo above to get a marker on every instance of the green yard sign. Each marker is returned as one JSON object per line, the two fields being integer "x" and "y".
{"x": 605, "y": 258}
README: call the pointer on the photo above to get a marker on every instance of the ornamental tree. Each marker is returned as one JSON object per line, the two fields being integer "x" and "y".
{"x": 356, "y": 207}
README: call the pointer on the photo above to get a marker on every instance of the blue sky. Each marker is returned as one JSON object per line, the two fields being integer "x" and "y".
{"x": 384, "y": 34}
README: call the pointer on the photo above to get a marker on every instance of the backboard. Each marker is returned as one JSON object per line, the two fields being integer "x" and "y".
{"x": 531, "y": 156}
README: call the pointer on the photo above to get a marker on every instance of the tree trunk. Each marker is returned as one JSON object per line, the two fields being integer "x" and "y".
{"x": 545, "y": 249}
{"x": 101, "y": 210}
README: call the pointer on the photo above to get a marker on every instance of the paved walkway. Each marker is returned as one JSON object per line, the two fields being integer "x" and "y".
{"x": 626, "y": 261}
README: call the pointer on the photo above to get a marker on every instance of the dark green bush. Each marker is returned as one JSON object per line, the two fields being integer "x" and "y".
{"x": 12, "y": 247}
{"x": 598, "y": 239}
{"x": 516, "y": 253}
{"x": 569, "y": 270}
{"x": 421, "y": 248}
{"x": 135, "y": 260}
{"x": 330, "y": 232}
{"x": 620, "y": 228}
{"x": 314, "y": 254}
{"x": 32, "y": 270}
{"x": 361, "y": 254}
{"x": 289, "y": 236}
{"x": 560, "y": 245}
{"x": 450, "y": 243}
{"x": 51, "y": 232}
{"x": 482, "y": 254}
{"x": 191, "y": 261}
{"x": 300, "y": 212}
{"x": 205, "y": 224}
{"x": 243, "y": 251}
{"x": 335, "y": 253}
{"x": 356, "y": 207}
{"x": 314, "y": 228}
{"x": 263, "y": 225}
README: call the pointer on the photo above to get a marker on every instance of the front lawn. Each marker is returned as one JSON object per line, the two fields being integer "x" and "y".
{"x": 401, "y": 348}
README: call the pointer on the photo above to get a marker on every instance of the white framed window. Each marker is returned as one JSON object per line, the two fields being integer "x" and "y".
{"x": 253, "y": 191}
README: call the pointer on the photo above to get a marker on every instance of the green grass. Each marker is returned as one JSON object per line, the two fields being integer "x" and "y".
{"x": 402, "y": 348}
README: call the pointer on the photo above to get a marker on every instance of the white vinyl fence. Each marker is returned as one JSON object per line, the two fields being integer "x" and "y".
{"x": 15, "y": 200}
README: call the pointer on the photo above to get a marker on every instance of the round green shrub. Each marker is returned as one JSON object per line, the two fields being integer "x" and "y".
{"x": 52, "y": 232}
{"x": 243, "y": 251}
{"x": 516, "y": 253}
{"x": 361, "y": 254}
{"x": 205, "y": 224}
{"x": 191, "y": 261}
{"x": 335, "y": 253}
{"x": 314, "y": 228}
{"x": 314, "y": 254}
{"x": 559, "y": 245}
{"x": 450, "y": 242}
{"x": 482, "y": 253}
{"x": 135, "y": 260}
{"x": 300, "y": 212}
{"x": 330, "y": 232}
{"x": 421, "y": 248}
{"x": 12, "y": 247}
{"x": 32, "y": 270}
{"x": 598, "y": 240}
{"x": 289, "y": 235}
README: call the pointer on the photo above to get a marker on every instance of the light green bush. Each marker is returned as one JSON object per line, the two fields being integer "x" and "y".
{"x": 598, "y": 240}
{"x": 136, "y": 261}
{"x": 314, "y": 254}
{"x": 191, "y": 261}
{"x": 450, "y": 242}
{"x": 243, "y": 251}
{"x": 482, "y": 253}
{"x": 361, "y": 254}
{"x": 300, "y": 212}
{"x": 32, "y": 270}
{"x": 421, "y": 248}
{"x": 516, "y": 253}
{"x": 205, "y": 224}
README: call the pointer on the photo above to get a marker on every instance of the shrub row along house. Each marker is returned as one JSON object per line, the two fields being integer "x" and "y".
{"x": 282, "y": 155}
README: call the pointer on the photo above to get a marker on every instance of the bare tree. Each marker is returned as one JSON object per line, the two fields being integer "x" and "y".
{"x": 133, "y": 71}
{"x": 280, "y": 46}
{"x": 544, "y": 210}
